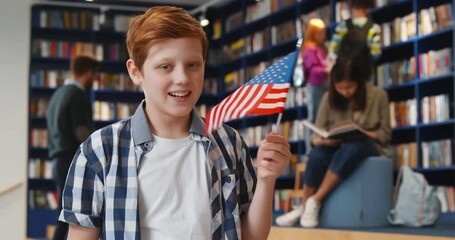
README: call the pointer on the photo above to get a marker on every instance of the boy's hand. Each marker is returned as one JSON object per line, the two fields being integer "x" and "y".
{"x": 273, "y": 154}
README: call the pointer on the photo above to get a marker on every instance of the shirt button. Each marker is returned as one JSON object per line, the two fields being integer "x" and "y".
{"x": 228, "y": 179}
{"x": 147, "y": 145}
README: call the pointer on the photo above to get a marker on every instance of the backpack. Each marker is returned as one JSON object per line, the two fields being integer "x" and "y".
{"x": 355, "y": 38}
{"x": 416, "y": 203}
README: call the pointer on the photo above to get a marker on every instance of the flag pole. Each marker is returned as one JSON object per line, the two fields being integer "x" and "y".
{"x": 280, "y": 115}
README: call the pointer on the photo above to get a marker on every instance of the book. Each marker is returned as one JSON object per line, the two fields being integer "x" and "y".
{"x": 345, "y": 130}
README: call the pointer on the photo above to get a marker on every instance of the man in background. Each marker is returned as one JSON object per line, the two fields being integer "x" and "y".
{"x": 69, "y": 123}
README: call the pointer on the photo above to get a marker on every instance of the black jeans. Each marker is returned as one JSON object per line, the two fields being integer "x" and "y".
{"x": 61, "y": 167}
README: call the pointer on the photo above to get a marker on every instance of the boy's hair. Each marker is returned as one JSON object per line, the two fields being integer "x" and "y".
{"x": 83, "y": 64}
{"x": 159, "y": 23}
{"x": 359, "y": 4}
{"x": 313, "y": 26}
{"x": 356, "y": 68}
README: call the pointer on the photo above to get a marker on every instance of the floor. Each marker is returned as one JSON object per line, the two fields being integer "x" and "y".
{"x": 444, "y": 228}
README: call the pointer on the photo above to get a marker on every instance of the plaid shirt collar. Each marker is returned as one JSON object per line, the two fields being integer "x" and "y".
{"x": 141, "y": 132}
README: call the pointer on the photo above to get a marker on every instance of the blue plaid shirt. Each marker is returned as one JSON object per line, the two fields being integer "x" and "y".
{"x": 102, "y": 185}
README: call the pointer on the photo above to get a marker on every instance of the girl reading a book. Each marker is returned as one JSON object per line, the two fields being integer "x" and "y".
{"x": 350, "y": 98}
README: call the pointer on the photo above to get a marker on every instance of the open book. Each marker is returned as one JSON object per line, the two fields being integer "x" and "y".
{"x": 342, "y": 130}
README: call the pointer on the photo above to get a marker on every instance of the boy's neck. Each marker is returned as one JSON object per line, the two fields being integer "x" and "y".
{"x": 168, "y": 127}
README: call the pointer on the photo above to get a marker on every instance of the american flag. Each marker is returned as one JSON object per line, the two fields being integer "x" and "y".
{"x": 263, "y": 95}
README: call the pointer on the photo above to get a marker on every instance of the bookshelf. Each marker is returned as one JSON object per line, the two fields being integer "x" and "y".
{"x": 416, "y": 69}
{"x": 248, "y": 36}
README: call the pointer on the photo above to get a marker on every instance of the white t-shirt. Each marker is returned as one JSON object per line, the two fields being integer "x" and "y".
{"x": 174, "y": 182}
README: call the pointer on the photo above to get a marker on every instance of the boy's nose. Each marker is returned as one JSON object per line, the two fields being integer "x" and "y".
{"x": 180, "y": 76}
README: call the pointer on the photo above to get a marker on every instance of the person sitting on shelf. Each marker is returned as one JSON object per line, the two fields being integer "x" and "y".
{"x": 157, "y": 175}
{"x": 314, "y": 68}
{"x": 356, "y": 32}
{"x": 69, "y": 123}
{"x": 350, "y": 98}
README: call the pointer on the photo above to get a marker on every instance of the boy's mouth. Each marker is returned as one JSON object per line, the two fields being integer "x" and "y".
{"x": 179, "y": 94}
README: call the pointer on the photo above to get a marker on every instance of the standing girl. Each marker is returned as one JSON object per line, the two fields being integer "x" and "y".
{"x": 314, "y": 68}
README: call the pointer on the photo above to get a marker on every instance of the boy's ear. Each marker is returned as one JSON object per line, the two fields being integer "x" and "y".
{"x": 134, "y": 72}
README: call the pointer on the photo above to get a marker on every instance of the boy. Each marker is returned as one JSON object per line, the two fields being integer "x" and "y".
{"x": 363, "y": 31}
{"x": 156, "y": 175}
{"x": 69, "y": 123}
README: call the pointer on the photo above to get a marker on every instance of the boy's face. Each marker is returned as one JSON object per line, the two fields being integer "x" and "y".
{"x": 172, "y": 76}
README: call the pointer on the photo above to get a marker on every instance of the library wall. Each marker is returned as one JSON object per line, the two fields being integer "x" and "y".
{"x": 14, "y": 46}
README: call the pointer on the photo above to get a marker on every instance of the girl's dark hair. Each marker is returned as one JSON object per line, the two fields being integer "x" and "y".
{"x": 355, "y": 67}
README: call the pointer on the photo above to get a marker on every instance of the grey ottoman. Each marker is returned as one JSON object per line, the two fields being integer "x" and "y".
{"x": 363, "y": 200}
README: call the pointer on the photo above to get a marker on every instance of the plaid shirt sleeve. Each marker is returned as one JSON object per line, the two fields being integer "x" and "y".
{"x": 249, "y": 178}
{"x": 83, "y": 195}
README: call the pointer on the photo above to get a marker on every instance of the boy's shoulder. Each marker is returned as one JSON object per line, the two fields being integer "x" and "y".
{"x": 105, "y": 135}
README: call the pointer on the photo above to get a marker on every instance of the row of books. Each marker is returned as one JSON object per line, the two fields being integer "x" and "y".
{"x": 66, "y": 19}
{"x": 118, "y": 82}
{"x": 431, "y": 64}
{"x": 63, "y": 49}
{"x": 403, "y": 113}
{"x": 40, "y": 168}
{"x": 404, "y": 154}
{"x": 255, "y": 42}
{"x": 79, "y": 20}
{"x": 396, "y": 73}
{"x": 435, "y": 18}
{"x": 38, "y": 138}
{"x": 290, "y": 130}
{"x": 39, "y": 199}
{"x": 38, "y": 106}
{"x": 446, "y": 196}
{"x": 55, "y": 78}
{"x": 47, "y": 78}
{"x": 434, "y": 154}
{"x": 430, "y": 20}
{"x": 269, "y": 36}
{"x": 433, "y": 109}
{"x": 109, "y": 111}
{"x": 435, "y": 63}
{"x": 437, "y": 153}
{"x": 399, "y": 30}
{"x": 283, "y": 32}
{"x": 254, "y": 12}
{"x": 265, "y": 8}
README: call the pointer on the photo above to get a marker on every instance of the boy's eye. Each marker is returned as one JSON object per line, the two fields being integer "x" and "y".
{"x": 194, "y": 65}
{"x": 165, "y": 67}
